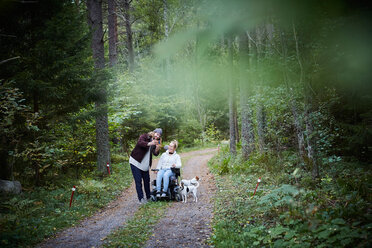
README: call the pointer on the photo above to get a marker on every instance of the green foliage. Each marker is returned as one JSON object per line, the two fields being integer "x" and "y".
{"x": 13, "y": 115}
{"x": 188, "y": 133}
{"x": 284, "y": 215}
{"x": 28, "y": 218}
{"x": 52, "y": 79}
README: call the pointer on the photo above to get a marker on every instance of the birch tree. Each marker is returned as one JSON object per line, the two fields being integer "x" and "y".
{"x": 246, "y": 118}
{"x": 232, "y": 101}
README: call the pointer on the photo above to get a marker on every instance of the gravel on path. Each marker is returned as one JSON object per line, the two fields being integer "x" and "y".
{"x": 188, "y": 224}
{"x": 187, "y": 217}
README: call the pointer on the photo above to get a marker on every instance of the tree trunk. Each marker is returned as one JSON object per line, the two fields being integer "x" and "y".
{"x": 296, "y": 117}
{"x": 232, "y": 104}
{"x": 260, "y": 115}
{"x": 231, "y": 119}
{"x": 246, "y": 118}
{"x": 113, "y": 33}
{"x": 261, "y": 123}
{"x": 166, "y": 34}
{"x": 102, "y": 133}
{"x": 269, "y": 41}
{"x": 236, "y": 124}
{"x": 298, "y": 126}
{"x": 199, "y": 107}
{"x": 128, "y": 28}
{"x": 165, "y": 16}
{"x": 308, "y": 109}
{"x": 310, "y": 142}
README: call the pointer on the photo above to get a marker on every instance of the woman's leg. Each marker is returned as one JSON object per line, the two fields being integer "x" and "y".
{"x": 166, "y": 176}
{"x": 137, "y": 175}
{"x": 146, "y": 183}
{"x": 159, "y": 176}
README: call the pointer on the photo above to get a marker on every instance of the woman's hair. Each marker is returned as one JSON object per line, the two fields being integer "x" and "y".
{"x": 151, "y": 134}
{"x": 175, "y": 142}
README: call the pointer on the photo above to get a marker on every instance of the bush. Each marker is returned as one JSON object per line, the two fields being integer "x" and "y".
{"x": 30, "y": 217}
{"x": 329, "y": 213}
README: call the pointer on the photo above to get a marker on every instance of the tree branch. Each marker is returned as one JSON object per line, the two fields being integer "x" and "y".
{"x": 8, "y": 35}
{"x": 7, "y": 60}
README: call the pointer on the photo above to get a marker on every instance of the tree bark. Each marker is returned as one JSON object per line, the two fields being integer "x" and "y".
{"x": 261, "y": 124}
{"x": 260, "y": 115}
{"x": 166, "y": 34}
{"x": 246, "y": 118}
{"x": 102, "y": 133}
{"x": 113, "y": 33}
{"x": 165, "y": 18}
{"x": 308, "y": 109}
{"x": 236, "y": 124}
{"x": 128, "y": 28}
{"x": 270, "y": 36}
{"x": 232, "y": 104}
{"x": 310, "y": 143}
{"x": 296, "y": 118}
{"x": 298, "y": 127}
{"x": 231, "y": 119}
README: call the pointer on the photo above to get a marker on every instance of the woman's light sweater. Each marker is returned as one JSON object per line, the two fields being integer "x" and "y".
{"x": 167, "y": 160}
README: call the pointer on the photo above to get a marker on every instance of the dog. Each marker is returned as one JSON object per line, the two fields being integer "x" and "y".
{"x": 191, "y": 182}
{"x": 185, "y": 190}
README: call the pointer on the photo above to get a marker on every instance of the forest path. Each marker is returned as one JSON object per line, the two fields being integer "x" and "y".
{"x": 190, "y": 220}
{"x": 188, "y": 224}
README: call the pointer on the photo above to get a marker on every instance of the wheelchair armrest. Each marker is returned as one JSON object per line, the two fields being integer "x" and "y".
{"x": 177, "y": 171}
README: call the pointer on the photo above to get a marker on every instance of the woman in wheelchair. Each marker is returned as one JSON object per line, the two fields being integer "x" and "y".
{"x": 168, "y": 160}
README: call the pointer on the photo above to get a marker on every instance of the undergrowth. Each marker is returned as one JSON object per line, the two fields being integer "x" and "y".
{"x": 28, "y": 218}
{"x": 139, "y": 228}
{"x": 290, "y": 209}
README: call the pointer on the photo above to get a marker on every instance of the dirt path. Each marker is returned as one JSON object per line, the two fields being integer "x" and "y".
{"x": 91, "y": 232}
{"x": 187, "y": 224}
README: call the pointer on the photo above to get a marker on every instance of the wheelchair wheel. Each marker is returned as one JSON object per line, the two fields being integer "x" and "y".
{"x": 178, "y": 197}
{"x": 153, "y": 198}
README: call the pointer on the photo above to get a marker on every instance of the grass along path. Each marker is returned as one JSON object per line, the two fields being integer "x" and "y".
{"x": 32, "y": 216}
{"x": 139, "y": 228}
{"x": 150, "y": 226}
{"x": 94, "y": 230}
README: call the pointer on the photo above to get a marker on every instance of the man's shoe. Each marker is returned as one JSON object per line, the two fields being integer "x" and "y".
{"x": 163, "y": 195}
{"x": 143, "y": 201}
{"x": 158, "y": 194}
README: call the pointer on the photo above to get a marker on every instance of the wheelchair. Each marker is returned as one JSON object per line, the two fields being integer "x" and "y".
{"x": 173, "y": 193}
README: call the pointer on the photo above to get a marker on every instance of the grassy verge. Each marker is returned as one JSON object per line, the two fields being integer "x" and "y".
{"x": 138, "y": 229}
{"x": 28, "y": 218}
{"x": 290, "y": 210}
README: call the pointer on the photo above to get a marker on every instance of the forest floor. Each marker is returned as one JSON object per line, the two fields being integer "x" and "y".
{"x": 184, "y": 224}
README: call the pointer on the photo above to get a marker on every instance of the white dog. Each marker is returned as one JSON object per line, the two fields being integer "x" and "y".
{"x": 191, "y": 182}
{"x": 185, "y": 190}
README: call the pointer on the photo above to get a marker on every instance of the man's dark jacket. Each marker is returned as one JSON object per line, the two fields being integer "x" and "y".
{"x": 141, "y": 148}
